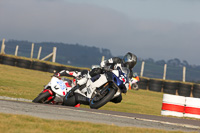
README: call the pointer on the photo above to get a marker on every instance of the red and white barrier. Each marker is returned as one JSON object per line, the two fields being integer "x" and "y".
{"x": 180, "y": 106}
{"x": 173, "y": 105}
{"x": 192, "y": 107}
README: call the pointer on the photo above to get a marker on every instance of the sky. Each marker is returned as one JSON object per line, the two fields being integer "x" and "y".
{"x": 158, "y": 29}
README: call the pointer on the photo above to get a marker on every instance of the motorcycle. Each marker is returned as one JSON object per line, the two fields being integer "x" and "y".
{"x": 54, "y": 91}
{"x": 134, "y": 81}
{"x": 100, "y": 89}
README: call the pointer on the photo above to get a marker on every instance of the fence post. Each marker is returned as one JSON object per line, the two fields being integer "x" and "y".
{"x": 142, "y": 69}
{"x": 165, "y": 70}
{"x": 3, "y": 46}
{"x": 39, "y": 52}
{"x": 16, "y": 50}
{"x": 184, "y": 73}
{"x": 32, "y": 49}
{"x": 54, "y": 54}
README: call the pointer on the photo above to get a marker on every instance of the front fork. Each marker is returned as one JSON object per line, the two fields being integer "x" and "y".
{"x": 50, "y": 92}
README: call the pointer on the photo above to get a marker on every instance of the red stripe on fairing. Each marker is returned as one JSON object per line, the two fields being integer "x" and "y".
{"x": 67, "y": 84}
{"x": 45, "y": 90}
{"x": 49, "y": 98}
{"x": 50, "y": 92}
{"x": 192, "y": 110}
{"x": 173, "y": 107}
{"x": 63, "y": 93}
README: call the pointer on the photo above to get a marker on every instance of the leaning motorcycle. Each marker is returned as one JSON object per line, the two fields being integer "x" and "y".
{"x": 134, "y": 81}
{"x": 101, "y": 88}
{"x": 54, "y": 91}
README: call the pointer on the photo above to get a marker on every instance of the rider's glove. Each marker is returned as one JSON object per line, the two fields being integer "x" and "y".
{"x": 57, "y": 74}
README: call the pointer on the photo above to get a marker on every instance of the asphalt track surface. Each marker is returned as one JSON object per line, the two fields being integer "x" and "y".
{"x": 59, "y": 112}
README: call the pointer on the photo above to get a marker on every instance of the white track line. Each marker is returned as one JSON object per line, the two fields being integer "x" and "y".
{"x": 142, "y": 119}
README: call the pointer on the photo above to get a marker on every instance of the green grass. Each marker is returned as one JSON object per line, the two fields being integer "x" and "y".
{"x": 24, "y": 83}
{"x": 26, "y": 124}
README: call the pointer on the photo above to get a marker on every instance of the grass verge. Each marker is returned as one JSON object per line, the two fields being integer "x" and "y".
{"x": 27, "y": 124}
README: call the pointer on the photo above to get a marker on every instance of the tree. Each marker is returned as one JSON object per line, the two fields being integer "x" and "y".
{"x": 185, "y": 63}
{"x": 160, "y": 62}
{"x": 174, "y": 62}
{"x": 150, "y": 60}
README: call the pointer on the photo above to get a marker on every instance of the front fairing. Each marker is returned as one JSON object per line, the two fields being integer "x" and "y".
{"x": 120, "y": 78}
{"x": 58, "y": 86}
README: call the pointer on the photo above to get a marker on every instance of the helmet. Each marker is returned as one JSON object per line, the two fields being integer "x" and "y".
{"x": 130, "y": 60}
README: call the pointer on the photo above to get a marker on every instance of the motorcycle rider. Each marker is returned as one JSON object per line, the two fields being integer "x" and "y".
{"x": 76, "y": 74}
{"x": 77, "y": 78}
{"x": 129, "y": 61}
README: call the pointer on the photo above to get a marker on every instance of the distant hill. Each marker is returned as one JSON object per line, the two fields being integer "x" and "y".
{"x": 85, "y": 56}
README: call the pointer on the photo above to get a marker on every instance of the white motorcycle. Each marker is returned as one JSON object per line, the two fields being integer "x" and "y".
{"x": 100, "y": 89}
{"x": 134, "y": 81}
{"x": 54, "y": 91}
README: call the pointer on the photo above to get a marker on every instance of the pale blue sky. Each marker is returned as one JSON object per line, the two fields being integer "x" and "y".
{"x": 158, "y": 29}
{"x": 169, "y": 10}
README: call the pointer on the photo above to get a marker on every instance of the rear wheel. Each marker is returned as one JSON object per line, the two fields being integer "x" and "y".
{"x": 134, "y": 86}
{"x": 42, "y": 98}
{"x": 69, "y": 99}
{"x": 101, "y": 99}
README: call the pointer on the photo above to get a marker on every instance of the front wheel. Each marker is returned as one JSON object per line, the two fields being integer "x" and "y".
{"x": 98, "y": 101}
{"x": 42, "y": 98}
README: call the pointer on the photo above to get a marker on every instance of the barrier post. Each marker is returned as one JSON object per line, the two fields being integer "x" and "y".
{"x": 3, "y": 46}
{"x": 16, "y": 50}
{"x": 39, "y": 52}
{"x": 54, "y": 54}
{"x": 184, "y": 73}
{"x": 142, "y": 69}
{"x": 32, "y": 49}
{"x": 165, "y": 70}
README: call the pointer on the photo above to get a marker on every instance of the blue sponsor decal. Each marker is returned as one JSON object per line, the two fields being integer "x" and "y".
{"x": 62, "y": 85}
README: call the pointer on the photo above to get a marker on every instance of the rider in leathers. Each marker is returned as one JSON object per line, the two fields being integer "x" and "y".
{"x": 129, "y": 61}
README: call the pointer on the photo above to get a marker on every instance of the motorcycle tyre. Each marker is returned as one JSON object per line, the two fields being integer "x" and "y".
{"x": 70, "y": 101}
{"x": 117, "y": 99}
{"x": 103, "y": 101}
{"x": 41, "y": 96}
{"x": 135, "y": 87}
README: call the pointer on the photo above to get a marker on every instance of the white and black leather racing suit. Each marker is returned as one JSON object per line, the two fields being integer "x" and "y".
{"x": 79, "y": 81}
{"x": 78, "y": 76}
{"x": 112, "y": 63}
{"x": 68, "y": 73}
